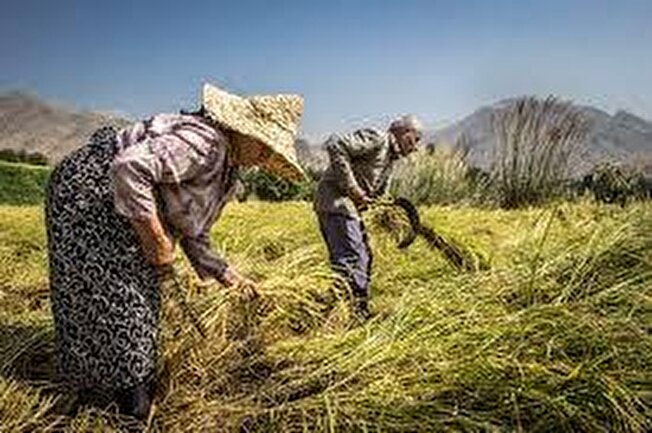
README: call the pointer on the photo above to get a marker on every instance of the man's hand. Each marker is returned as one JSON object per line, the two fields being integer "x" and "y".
{"x": 360, "y": 199}
{"x": 247, "y": 287}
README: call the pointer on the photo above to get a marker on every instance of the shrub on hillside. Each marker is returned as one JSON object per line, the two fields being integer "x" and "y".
{"x": 33, "y": 158}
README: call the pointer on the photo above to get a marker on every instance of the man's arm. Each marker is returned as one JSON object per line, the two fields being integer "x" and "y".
{"x": 342, "y": 150}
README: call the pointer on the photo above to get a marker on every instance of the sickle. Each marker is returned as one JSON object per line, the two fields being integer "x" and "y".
{"x": 434, "y": 240}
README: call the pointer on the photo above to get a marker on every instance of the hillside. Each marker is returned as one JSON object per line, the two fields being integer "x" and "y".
{"x": 30, "y": 124}
{"x": 311, "y": 156}
{"x": 33, "y": 125}
{"x": 621, "y": 137}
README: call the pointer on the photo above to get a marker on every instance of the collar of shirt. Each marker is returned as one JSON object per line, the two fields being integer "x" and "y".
{"x": 394, "y": 150}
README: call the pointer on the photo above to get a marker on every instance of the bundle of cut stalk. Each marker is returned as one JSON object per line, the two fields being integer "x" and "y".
{"x": 408, "y": 217}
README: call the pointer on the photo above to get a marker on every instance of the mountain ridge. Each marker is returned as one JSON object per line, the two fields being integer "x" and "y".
{"x": 27, "y": 123}
{"x": 30, "y": 124}
{"x": 618, "y": 138}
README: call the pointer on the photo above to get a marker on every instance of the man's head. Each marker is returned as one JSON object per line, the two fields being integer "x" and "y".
{"x": 407, "y": 130}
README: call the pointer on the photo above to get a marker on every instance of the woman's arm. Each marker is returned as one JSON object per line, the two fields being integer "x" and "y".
{"x": 208, "y": 263}
{"x": 166, "y": 149}
{"x": 158, "y": 247}
{"x": 203, "y": 258}
{"x": 168, "y": 159}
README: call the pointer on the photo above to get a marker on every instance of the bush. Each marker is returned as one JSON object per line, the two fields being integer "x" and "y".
{"x": 536, "y": 140}
{"x": 266, "y": 186}
{"x": 610, "y": 183}
{"x": 33, "y": 158}
{"x": 22, "y": 184}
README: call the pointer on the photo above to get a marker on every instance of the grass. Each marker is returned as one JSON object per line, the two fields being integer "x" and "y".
{"x": 438, "y": 177}
{"x": 555, "y": 337}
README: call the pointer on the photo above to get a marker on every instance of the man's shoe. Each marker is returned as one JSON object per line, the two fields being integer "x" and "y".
{"x": 325, "y": 301}
{"x": 360, "y": 310}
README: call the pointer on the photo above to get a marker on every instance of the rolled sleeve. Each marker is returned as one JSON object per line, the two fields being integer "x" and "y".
{"x": 206, "y": 262}
{"x": 134, "y": 174}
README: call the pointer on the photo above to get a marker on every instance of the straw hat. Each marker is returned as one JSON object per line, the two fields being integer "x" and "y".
{"x": 266, "y": 126}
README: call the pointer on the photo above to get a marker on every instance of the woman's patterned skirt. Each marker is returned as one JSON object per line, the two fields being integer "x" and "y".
{"x": 105, "y": 295}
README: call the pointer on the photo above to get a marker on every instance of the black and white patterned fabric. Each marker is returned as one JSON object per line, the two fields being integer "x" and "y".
{"x": 105, "y": 295}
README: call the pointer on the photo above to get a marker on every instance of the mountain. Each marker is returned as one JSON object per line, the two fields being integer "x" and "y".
{"x": 311, "y": 156}
{"x": 29, "y": 124}
{"x": 622, "y": 137}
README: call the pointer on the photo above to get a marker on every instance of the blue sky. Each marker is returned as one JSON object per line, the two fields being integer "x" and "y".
{"x": 355, "y": 62}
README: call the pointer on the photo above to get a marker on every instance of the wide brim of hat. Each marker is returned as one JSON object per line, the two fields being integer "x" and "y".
{"x": 266, "y": 126}
{"x": 281, "y": 165}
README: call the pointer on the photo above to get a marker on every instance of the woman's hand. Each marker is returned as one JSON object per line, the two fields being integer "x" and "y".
{"x": 157, "y": 246}
{"x": 232, "y": 278}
